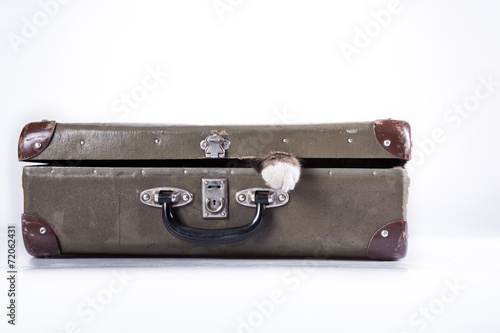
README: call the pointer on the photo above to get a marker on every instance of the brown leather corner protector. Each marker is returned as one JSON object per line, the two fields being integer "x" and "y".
{"x": 389, "y": 242}
{"x": 394, "y": 136}
{"x": 39, "y": 242}
{"x": 34, "y": 138}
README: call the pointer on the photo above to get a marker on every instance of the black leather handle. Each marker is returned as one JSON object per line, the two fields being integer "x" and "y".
{"x": 213, "y": 236}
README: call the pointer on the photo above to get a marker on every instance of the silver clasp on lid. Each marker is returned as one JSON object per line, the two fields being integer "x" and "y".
{"x": 215, "y": 146}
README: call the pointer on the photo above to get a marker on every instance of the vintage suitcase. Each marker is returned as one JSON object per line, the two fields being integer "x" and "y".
{"x": 190, "y": 191}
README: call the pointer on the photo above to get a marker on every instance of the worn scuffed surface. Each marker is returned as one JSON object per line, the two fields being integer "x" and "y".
{"x": 399, "y": 135}
{"x": 34, "y": 134}
{"x": 142, "y": 142}
{"x": 391, "y": 247}
{"x": 332, "y": 212}
{"x": 36, "y": 243}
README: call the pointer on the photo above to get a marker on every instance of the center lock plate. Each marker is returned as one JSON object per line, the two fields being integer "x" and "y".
{"x": 214, "y": 198}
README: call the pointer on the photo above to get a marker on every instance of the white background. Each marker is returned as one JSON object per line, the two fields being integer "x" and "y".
{"x": 269, "y": 62}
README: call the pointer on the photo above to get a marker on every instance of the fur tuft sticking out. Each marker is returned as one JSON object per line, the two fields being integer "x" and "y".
{"x": 280, "y": 170}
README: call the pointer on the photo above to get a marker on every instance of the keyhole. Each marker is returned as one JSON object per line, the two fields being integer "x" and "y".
{"x": 214, "y": 202}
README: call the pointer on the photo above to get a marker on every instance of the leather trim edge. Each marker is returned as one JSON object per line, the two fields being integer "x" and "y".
{"x": 36, "y": 243}
{"x": 398, "y": 133}
{"x": 391, "y": 247}
{"x": 34, "y": 138}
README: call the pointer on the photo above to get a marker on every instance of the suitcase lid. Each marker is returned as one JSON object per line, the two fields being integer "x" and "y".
{"x": 47, "y": 141}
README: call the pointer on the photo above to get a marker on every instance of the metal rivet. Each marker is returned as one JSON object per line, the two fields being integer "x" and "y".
{"x": 185, "y": 171}
{"x": 38, "y": 145}
{"x": 330, "y": 173}
{"x": 384, "y": 233}
{"x": 232, "y": 171}
{"x": 205, "y": 182}
{"x": 387, "y": 143}
{"x": 146, "y": 197}
{"x": 157, "y": 141}
{"x": 185, "y": 197}
{"x": 349, "y": 140}
{"x": 206, "y": 214}
{"x": 43, "y": 230}
{"x": 242, "y": 197}
{"x": 82, "y": 142}
{"x": 285, "y": 140}
{"x": 281, "y": 197}
{"x": 223, "y": 214}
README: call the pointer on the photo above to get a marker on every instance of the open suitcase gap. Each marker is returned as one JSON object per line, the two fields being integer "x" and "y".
{"x": 355, "y": 163}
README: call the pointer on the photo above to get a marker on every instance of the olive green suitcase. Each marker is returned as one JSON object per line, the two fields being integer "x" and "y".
{"x": 190, "y": 191}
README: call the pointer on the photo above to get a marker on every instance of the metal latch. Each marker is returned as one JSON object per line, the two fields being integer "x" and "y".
{"x": 276, "y": 198}
{"x": 180, "y": 197}
{"x": 215, "y": 146}
{"x": 214, "y": 198}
